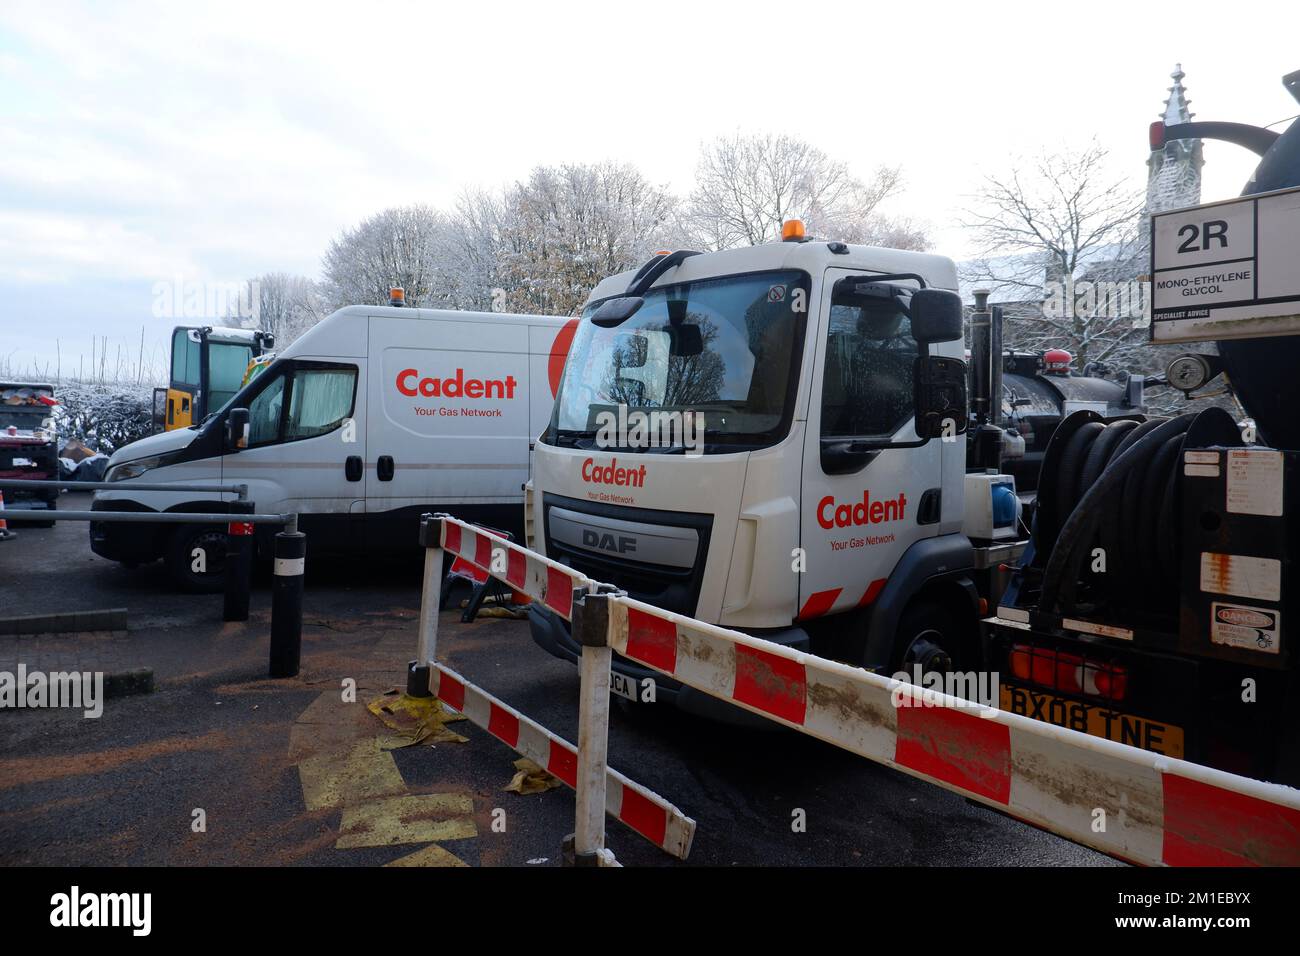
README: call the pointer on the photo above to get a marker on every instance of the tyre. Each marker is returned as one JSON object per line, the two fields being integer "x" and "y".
{"x": 934, "y": 636}
{"x": 184, "y": 561}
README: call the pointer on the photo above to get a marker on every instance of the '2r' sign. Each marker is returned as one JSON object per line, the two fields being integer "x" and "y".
{"x": 1226, "y": 269}
{"x": 1201, "y": 234}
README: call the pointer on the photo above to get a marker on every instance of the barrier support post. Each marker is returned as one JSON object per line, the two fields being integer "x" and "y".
{"x": 417, "y": 672}
{"x": 591, "y": 629}
{"x": 239, "y": 562}
{"x": 286, "y": 600}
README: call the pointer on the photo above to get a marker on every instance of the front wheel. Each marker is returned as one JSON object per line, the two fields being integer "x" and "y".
{"x": 196, "y": 559}
{"x": 933, "y": 638}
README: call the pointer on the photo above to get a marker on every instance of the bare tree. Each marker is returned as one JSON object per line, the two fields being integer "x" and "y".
{"x": 1061, "y": 242}
{"x": 747, "y": 186}
{"x": 566, "y": 228}
{"x": 282, "y": 304}
{"x": 475, "y": 249}
{"x": 405, "y": 247}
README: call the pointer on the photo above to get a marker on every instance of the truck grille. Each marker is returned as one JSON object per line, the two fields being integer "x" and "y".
{"x": 614, "y": 529}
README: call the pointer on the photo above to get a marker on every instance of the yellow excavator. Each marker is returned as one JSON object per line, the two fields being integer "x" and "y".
{"x": 209, "y": 364}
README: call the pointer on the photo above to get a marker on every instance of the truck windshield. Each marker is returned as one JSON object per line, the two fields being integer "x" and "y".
{"x": 722, "y": 350}
{"x": 226, "y": 365}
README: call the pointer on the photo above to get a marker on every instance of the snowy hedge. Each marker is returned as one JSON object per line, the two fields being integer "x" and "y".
{"x": 103, "y": 416}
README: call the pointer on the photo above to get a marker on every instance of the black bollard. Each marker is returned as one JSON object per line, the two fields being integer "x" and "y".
{"x": 286, "y": 600}
{"x": 239, "y": 563}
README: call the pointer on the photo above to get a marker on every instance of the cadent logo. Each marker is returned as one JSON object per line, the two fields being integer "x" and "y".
{"x": 410, "y": 383}
{"x": 830, "y": 515}
{"x": 612, "y": 474}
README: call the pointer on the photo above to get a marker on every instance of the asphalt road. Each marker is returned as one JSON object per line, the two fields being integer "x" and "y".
{"x": 293, "y": 772}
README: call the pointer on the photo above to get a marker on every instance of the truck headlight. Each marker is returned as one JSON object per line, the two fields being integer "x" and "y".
{"x": 132, "y": 469}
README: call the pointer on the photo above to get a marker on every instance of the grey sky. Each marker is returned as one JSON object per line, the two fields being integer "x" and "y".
{"x": 210, "y": 142}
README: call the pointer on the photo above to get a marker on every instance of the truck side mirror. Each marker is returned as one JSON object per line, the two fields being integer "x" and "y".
{"x": 936, "y": 316}
{"x": 939, "y": 391}
{"x": 236, "y": 429}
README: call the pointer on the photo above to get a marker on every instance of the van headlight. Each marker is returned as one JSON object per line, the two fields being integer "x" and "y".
{"x": 133, "y": 469}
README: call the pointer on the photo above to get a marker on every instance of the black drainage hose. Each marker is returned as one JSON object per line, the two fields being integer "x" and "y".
{"x": 1080, "y": 528}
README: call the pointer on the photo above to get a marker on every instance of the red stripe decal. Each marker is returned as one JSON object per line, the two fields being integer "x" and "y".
{"x": 872, "y": 592}
{"x": 651, "y": 640}
{"x": 957, "y": 747}
{"x": 773, "y": 684}
{"x": 1209, "y": 826}
{"x": 451, "y": 532}
{"x": 559, "y": 592}
{"x": 451, "y": 691}
{"x": 483, "y": 551}
{"x": 563, "y": 763}
{"x": 818, "y": 603}
{"x": 643, "y": 816}
{"x": 516, "y": 569}
{"x": 503, "y": 725}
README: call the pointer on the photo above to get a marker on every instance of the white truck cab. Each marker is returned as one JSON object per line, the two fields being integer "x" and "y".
{"x": 812, "y": 510}
{"x": 371, "y": 418}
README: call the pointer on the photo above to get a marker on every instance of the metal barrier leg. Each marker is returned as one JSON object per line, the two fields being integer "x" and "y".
{"x": 239, "y": 564}
{"x": 591, "y": 628}
{"x": 286, "y": 600}
{"x": 417, "y": 673}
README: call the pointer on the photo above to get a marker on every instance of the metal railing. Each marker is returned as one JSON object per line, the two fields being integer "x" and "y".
{"x": 290, "y": 552}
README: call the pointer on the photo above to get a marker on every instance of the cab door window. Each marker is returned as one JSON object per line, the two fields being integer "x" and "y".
{"x": 319, "y": 400}
{"x": 870, "y": 359}
{"x": 265, "y": 412}
{"x": 300, "y": 402}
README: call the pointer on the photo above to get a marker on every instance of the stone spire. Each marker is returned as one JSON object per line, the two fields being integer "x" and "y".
{"x": 1174, "y": 172}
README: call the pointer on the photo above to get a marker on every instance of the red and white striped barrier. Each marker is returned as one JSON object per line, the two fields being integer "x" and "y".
{"x": 640, "y": 809}
{"x": 1126, "y": 802}
{"x": 540, "y": 578}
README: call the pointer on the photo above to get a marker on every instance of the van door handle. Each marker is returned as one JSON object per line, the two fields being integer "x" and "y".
{"x": 352, "y": 468}
{"x": 384, "y": 467}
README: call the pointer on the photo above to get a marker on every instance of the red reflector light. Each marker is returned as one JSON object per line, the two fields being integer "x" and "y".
{"x": 1068, "y": 673}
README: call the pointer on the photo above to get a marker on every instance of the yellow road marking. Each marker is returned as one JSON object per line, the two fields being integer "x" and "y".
{"x": 334, "y": 779}
{"x": 432, "y": 855}
{"x": 415, "y": 818}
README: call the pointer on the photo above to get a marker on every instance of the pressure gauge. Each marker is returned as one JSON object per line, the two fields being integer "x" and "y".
{"x": 1187, "y": 373}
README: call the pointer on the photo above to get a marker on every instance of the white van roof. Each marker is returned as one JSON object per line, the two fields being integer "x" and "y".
{"x": 344, "y": 332}
{"x": 811, "y": 256}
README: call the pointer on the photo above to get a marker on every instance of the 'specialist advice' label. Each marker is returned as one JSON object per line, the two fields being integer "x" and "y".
{"x": 1226, "y": 270}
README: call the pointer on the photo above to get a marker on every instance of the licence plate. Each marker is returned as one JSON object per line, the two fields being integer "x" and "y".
{"x": 1094, "y": 719}
{"x": 623, "y": 685}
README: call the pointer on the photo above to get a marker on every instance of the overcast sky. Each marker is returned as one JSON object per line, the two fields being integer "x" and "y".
{"x": 211, "y": 142}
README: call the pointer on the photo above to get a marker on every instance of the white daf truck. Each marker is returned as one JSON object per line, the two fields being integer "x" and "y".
{"x": 373, "y": 417}
{"x": 828, "y": 505}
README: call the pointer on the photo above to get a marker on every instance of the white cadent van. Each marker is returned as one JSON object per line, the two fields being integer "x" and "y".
{"x": 371, "y": 418}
